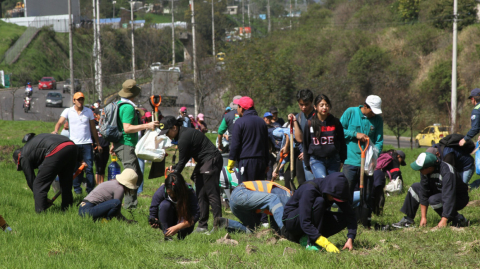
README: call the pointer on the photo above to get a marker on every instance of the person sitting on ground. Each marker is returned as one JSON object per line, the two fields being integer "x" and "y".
{"x": 253, "y": 197}
{"x": 174, "y": 208}
{"x": 324, "y": 143}
{"x": 441, "y": 187}
{"x": 53, "y": 155}
{"x": 202, "y": 125}
{"x": 308, "y": 221}
{"x": 105, "y": 201}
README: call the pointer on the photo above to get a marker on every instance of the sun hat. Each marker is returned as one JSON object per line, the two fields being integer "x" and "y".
{"x": 201, "y": 116}
{"x": 128, "y": 178}
{"x": 375, "y": 104}
{"x": 129, "y": 89}
{"x": 424, "y": 160}
{"x": 244, "y": 102}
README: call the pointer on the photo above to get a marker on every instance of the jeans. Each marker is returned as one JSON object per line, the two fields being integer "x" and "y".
{"x": 321, "y": 167}
{"x": 244, "y": 204}
{"x": 352, "y": 173}
{"x": 87, "y": 153}
{"x": 142, "y": 167}
{"x": 308, "y": 175}
{"x": 107, "y": 209}
{"x": 467, "y": 174}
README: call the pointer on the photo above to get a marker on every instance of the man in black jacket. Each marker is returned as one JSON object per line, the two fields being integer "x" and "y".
{"x": 53, "y": 155}
{"x": 249, "y": 143}
{"x": 440, "y": 187}
{"x": 194, "y": 144}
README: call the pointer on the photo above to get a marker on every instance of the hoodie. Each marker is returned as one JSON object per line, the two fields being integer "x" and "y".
{"x": 335, "y": 184}
{"x": 161, "y": 195}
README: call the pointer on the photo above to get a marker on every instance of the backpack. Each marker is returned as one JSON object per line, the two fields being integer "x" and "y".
{"x": 383, "y": 161}
{"x": 108, "y": 124}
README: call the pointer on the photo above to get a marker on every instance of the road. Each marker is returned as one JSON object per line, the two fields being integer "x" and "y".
{"x": 392, "y": 140}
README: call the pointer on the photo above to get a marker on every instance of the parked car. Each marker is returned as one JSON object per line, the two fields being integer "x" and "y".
{"x": 175, "y": 69}
{"x": 156, "y": 66}
{"x": 47, "y": 83}
{"x": 54, "y": 99}
{"x": 431, "y": 135}
{"x": 67, "y": 86}
{"x": 221, "y": 56}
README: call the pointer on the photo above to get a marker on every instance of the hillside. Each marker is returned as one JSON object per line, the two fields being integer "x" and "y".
{"x": 351, "y": 49}
{"x": 10, "y": 33}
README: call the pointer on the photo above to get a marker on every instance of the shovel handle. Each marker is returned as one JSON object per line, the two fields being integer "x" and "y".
{"x": 362, "y": 163}
{"x": 363, "y": 151}
{"x": 291, "y": 145}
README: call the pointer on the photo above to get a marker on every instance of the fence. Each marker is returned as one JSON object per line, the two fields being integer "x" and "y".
{"x": 178, "y": 24}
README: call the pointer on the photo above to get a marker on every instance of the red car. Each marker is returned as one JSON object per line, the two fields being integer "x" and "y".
{"x": 47, "y": 83}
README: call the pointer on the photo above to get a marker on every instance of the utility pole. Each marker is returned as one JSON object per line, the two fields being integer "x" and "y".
{"x": 114, "y": 2}
{"x": 173, "y": 37}
{"x": 133, "y": 41}
{"x": 213, "y": 32}
{"x": 95, "y": 62}
{"x": 194, "y": 49}
{"x": 243, "y": 13}
{"x": 290, "y": 14}
{"x": 248, "y": 13}
{"x": 99, "y": 54}
{"x": 454, "y": 68}
{"x": 268, "y": 14}
{"x": 70, "y": 44}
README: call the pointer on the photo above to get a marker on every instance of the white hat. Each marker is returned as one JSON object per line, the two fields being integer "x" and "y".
{"x": 375, "y": 104}
{"x": 128, "y": 178}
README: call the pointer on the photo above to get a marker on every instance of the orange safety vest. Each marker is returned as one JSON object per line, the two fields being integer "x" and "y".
{"x": 264, "y": 186}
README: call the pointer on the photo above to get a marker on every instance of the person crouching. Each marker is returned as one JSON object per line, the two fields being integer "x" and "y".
{"x": 105, "y": 201}
{"x": 174, "y": 208}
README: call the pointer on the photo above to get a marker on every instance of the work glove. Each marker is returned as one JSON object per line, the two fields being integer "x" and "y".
{"x": 231, "y": 166}
{"x": 324, "y": 243}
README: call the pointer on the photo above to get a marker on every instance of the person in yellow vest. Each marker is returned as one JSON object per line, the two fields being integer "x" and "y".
{"x": 251, "y": 198}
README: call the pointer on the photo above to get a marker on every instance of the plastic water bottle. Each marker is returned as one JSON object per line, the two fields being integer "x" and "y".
{"x": 113, "y": 168}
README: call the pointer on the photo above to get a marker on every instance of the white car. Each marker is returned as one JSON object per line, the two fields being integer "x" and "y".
{"x": 174, "y": 69}
{"x": 156, "y": 66}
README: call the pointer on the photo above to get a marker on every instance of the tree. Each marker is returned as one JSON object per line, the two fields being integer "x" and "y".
{"x": 441, "y": 13}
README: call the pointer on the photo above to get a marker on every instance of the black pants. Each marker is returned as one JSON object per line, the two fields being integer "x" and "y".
{"x": 412, "y": 202}
{"x": 252, "y": 169}
{"x": 298, "y": 171}
{"x": 101, "y": 160}
{"x": 62, "y": 164}
{"x": 271, "y": 163}
{"x": 327, "y": 222}
{"x": 207, "y": 180}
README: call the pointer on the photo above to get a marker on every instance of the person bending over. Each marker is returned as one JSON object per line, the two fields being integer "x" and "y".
{"x": 174, "y": 208}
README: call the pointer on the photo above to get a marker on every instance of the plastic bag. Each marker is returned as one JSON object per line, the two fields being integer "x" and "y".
{"x": 395, "y": 186}
{"x": 151, "y": 147}
{"x": 371, "y": 157}
{"x": 477, "y": 160}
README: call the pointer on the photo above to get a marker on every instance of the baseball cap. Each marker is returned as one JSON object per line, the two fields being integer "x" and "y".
{"x": 201, "y": 116}
{"x": 474, "y": 92}
{"x": 183, "y": 109}
{"x": 228, "y": 108}
{"x": 78, "y": 95}
{"x": 166, "y": 123}
{"x": 273, "y": 109}
{"x": 232, "y": 104}
{"x": 267, "y": 114}
{"x": 244, "y": 102}
{"x": 402, "y": 154}
{"x": 424, "y": 160}
{"x": 375, "y": 104}
{"x": 148, "y": 114}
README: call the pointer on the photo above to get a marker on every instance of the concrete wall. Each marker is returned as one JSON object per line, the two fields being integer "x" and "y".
{"x": 50, "y": 7}
{"x": 59, "y": 22}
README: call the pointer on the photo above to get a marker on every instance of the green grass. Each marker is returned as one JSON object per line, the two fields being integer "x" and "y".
{"x": 63, "y": 239}
{"x": 10, "y": 33}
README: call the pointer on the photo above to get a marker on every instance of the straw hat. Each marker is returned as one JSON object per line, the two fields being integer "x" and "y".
{"x": 128, "y": 178}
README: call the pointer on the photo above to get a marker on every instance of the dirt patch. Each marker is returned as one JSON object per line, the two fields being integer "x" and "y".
{"x": 474, "y": 203}
{"x": 145, "y": 196}
{"x": 6, "y": 153}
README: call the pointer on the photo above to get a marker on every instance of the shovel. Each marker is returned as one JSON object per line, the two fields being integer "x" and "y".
{"x": 291, "y": 154}
{"x": 155, "y": 101}
{"x": 282, "y": 157}
{"x": 364, "y": 210}
{"x": 79, "y": 170}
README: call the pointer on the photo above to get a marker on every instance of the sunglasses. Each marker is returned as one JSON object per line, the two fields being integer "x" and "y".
{"x": 80, "y": 99}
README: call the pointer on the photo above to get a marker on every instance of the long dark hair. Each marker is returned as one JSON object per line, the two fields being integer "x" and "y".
{"x": 176, "y": 183}
{"x": 316, "y": 123}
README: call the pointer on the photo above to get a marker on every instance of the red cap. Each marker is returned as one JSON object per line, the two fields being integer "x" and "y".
{"x": 244, "y": 102}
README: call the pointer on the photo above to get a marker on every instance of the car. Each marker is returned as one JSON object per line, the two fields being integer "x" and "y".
{"x": 431, "y": 135}
{"x": 155, "y": 66}
{"x": 54, "y": 99}
{"x": 47, "y": 83}
{"x": 67, "y": 86}
{"x": 221, "y": 56}
{"x": 174, "y": 69}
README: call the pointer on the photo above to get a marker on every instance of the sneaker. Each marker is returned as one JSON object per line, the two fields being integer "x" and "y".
{"x": 220, "y": 223}
{"x": 201, "y": 230}
{"x": 282, "y": 178}
{"x": 460, "y": 221}
{"x": 405, "y": 222}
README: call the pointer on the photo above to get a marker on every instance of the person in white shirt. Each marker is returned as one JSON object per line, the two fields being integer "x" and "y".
{"x": 82, "y": 129}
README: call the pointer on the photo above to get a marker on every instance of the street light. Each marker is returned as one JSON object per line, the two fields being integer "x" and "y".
{"x": 133, "y": 36}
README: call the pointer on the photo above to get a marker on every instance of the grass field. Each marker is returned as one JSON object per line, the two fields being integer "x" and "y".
{"x": 10, "y": 32}
{"x": 58, "y": 239}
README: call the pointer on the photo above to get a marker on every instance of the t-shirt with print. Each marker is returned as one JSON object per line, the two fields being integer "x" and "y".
{"x": 79, "y": 125}
{"x": 126, "y": 114}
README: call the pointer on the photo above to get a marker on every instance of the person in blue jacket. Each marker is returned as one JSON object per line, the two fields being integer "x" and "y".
{"x": 249, "y": 143}
{"x": 308, "y": 221}
{"x": 475, "y": 118}
{"x": 174, "y": 208}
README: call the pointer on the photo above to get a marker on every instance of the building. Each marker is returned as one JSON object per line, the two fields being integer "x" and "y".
{"x": 231, "y": 10}
{"x": 50, "y": 8}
